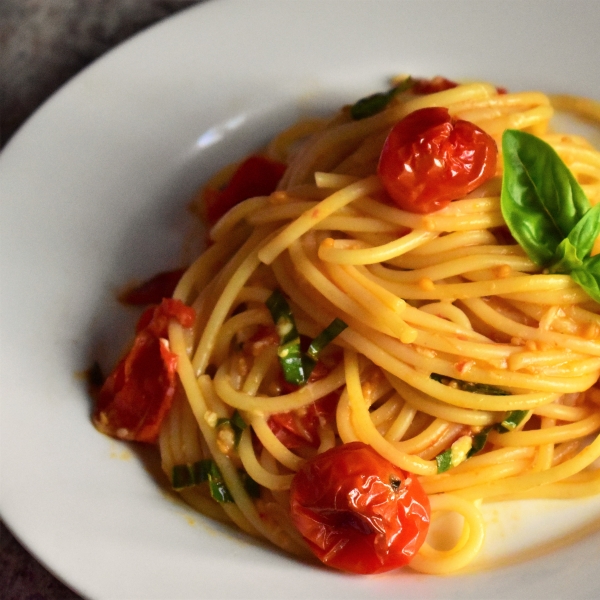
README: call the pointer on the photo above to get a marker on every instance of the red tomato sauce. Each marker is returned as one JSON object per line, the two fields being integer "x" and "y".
{"x": 138, "y": 394}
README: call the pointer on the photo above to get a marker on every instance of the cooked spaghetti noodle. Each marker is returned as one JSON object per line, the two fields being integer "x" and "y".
{"x": 451, "y": 328}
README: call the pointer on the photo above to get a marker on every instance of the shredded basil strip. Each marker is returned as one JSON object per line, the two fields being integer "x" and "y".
{"x": 444, "y": 460}
{"x": 181, "y": 477}
{"x": 289, "y": 351}
{"x": 252, "y": 487}
{"x": 512, "y": 420}
{"x": 236, "y": 423}
{"x": 548, "y": 212}
{"x": 479, "y": 441}
{"x": 296, "y": 365}
{"x": 188, "y": 475}
{"x": 467, "y": 386}
{"x": 375, "y": 103}
{"x": 322, "y": 341}
{"x": 218, "y": 490}
{"x": 325, "y": 337}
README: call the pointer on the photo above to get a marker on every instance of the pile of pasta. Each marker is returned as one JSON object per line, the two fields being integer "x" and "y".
{"x": 443, "y": 310}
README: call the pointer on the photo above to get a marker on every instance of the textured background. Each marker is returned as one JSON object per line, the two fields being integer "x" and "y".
{"x": 43, "y": 43}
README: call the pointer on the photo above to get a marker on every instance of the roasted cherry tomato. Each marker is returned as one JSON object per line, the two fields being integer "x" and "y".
{"x": 138, "y": 394}
{"x": 162, "y": 285}
{"x": 431, "y": 86}
{"x": 430, "y": 159}
{"x": 300, "y": 428}
{"x": 358, "y": 512}
{"x": 296, "y": 428}
{"x": 256, "y": 176}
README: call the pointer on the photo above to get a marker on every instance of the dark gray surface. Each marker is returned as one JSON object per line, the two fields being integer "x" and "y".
{"x": 43, "y": 43}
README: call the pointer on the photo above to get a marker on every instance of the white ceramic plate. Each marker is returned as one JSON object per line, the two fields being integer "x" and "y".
{"x": 93, "y": 192}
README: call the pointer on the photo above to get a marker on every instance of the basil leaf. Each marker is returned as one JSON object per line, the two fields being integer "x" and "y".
{"x": 444, "y": 461}
{"x": 375, "y": 103}
{"x": 584, "y": 234}
{"x": 566, "y": 258}
{"x": 181, "y": 477}
{"x": 589, "y": 280}
{"x": 289, "y": 352}
{"x": 252, "y": 487}
{"x": 572, "y": 255}
{"x": 592, "y": 264}
{"x": 541, "y": 200}
{"x": 479, "y": 441}
{"x": 237, "y": 425}
{"x": 512, "y": 420}
{"x": 467, "y": 386}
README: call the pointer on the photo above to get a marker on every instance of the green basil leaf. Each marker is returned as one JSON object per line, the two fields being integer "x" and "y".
{"x": 541, "y": 200}
{"x": 573, "y": 254}
{"x": 181, "y": 477}
{"x": 589, "y": 280}
{"x": 584, "y": 234}
{"x": 375, "y": 103}
{"x": 592, "y": 265}
{"x": 289, "y": 351}
{"x": 252, "y": 487}
{"x": 566, "y": 258}
{"x": 444, "y": 461}
{"x": 467, "y": 386}
{"x": 236, "y": 423}
{"x": 512, "y": 420}
{"x": 479, "y": 441}
{"x": 219, "y": 491}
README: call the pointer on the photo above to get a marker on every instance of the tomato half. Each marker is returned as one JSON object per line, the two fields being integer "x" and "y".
{"x": 432, "y": 86}
{"x": 256, "y": 176}
{"x": 430, "y": 159}
{"x": 358, "y": 512}
{"x": 138, "y": 394}
{"x": 162, "y": 285}
{"x": 300, "y": 428}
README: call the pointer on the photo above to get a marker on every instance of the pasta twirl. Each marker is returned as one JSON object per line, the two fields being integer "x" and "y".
{"x": 461, "y": 360}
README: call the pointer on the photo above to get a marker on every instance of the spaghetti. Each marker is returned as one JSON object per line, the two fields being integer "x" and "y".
{"x": 458, "y": 358}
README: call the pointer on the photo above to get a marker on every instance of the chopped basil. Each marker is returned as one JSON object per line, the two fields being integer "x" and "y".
{"x": 479, "y": 441}
{"x": 296, "y": 365}
{"x": 251, "y": 486}
{"x": 321, "y": 341}
{"x": 548, "y": 212}
{"x": 181, "y": 477}
{"x": 375, "y": 103}
{"x": 218, "y": 490}
{"x": 512, "y": 420}
{"x": 467, "y": 386}
{"x": 444, "y": 460}
{"x": 325, "y": 337}
{"x": 188, "y": 475}
{"x": 236, "y": 423}
{"x": 289, "y": 351}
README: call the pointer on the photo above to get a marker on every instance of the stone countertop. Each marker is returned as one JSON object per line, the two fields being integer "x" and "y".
{"x": 43, "y": 44}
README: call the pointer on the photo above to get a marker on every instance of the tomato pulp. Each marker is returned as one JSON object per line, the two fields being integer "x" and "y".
{"x": 138, "y": 394}
{"x": 358, "y": 512}
{"x": 430, "y": 159}
{"x": 255, "y": 176}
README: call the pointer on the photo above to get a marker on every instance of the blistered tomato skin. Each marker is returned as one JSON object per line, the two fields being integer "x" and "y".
{"x": 358, "y": 512}
{"x": 430, "y": 159}
{"x": 139, "y": 392}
